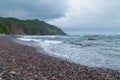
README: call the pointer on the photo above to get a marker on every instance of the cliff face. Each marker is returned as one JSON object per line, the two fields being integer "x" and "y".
{"x": 31, "y": 27}
{"x": 17, "y": 30}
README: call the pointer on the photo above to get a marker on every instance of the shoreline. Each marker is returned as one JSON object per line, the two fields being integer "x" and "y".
{"x": 21, "y": 62}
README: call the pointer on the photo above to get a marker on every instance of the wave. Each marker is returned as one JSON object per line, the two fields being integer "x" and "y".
{"x": 24, "y": 39}
{"x": 53, "y": 42}
{"x": 42, "y": 41}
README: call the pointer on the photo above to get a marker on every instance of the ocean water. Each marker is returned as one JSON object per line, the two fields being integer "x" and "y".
{"x": 104, "y": 51}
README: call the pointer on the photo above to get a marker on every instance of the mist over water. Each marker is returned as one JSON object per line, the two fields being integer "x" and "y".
{"x": 99, "y": 51}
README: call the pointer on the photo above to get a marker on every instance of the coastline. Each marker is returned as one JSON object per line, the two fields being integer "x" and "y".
{"x": 21, "y": 62}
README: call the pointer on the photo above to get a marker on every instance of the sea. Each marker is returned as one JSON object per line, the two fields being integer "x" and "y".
{"x": 87, "y": 50}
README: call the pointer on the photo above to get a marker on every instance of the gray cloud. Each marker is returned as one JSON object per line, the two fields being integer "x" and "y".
{"x": 30, "y": 9}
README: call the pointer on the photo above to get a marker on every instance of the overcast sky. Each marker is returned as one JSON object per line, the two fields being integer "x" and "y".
{"x": 73, "y": 16}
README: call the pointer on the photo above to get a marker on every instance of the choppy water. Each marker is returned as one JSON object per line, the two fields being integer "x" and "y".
{"x": 102, "y": 52}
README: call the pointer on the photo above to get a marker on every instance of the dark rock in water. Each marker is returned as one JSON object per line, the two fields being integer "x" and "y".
{"x": 80, "y": 44}
{"x": 92, "y": 38}
{"x": 87, "y": 45}
{"x": 84, "y": 44}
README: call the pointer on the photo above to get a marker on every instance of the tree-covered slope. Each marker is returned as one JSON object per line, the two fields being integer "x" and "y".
{"x": 31, "y": 27}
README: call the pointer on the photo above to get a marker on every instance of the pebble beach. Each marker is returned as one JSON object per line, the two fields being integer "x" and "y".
{"x": 21, "y": 62}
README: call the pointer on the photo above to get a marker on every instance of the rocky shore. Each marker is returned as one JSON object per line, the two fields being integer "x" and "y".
{"x": 21, "y": 62}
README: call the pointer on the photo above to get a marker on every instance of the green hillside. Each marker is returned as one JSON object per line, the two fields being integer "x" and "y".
{"x": 31, "y": 27}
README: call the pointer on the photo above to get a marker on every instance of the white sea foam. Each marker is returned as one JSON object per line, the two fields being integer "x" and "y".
{"x": 52, "y": 42}
{"x": 51, "y": 36}
{"x": 24, "y": 39}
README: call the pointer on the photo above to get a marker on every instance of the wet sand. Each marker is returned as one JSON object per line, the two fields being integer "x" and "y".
{"x": 21, "y": 62}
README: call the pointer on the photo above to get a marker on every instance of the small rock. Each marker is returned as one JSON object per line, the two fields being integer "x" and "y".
{"x": 91, "y": 38}
{"x": 12, "y": 72}
{"x": 30, "y": 74}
